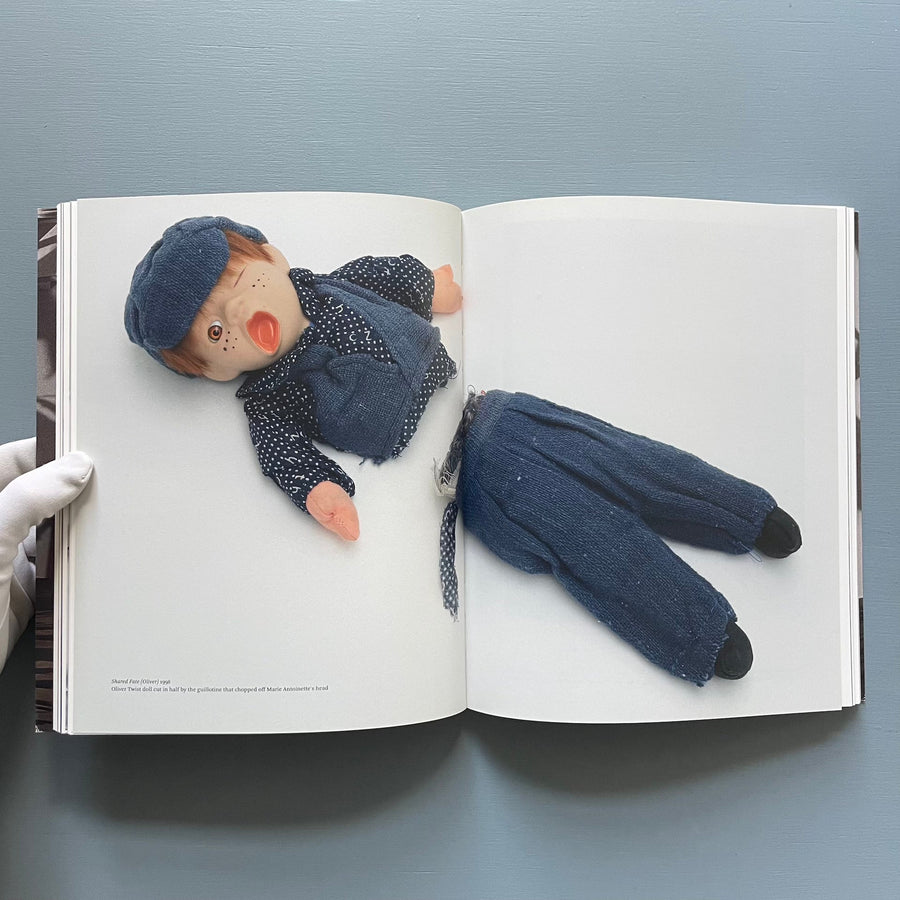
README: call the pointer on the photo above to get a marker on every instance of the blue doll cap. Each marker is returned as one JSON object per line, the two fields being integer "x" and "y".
{"x": 173, "y": 280}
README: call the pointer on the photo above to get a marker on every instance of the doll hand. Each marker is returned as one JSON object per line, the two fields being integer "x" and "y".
{"x": 330, "y": 505}
{"x": 28, "y": 496}
{"x": 447, "y": 293}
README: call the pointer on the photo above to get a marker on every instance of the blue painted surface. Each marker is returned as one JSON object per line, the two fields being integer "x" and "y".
{"x": 471, "y": 103}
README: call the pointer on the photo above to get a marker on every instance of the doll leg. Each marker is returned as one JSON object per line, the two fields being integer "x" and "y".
{"x": 676, "y": 493}
{"x": 532, "y": 510}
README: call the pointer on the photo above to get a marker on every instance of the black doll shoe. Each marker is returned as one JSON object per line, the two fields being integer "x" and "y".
{"x": 780, "y": 535}
{"x": 736, "y": 656}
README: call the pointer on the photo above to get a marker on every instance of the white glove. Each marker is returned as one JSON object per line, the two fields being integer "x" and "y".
{"x": 27, "y": 496}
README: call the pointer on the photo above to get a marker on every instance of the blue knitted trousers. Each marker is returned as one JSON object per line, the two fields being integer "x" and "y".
{"x": 553, "y": 490}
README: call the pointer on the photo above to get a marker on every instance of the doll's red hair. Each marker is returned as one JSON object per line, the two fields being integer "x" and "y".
{"x": 242, "y": 250}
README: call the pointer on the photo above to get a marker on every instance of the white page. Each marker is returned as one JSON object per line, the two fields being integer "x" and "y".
{"x": 715, "y": 327}
{"x": 195, "y": 569}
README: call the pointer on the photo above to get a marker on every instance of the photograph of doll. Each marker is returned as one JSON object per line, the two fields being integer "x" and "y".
{"x": 351, "y": 359}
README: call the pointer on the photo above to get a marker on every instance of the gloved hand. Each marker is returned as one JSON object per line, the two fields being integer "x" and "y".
{"x": 27, "y": 496}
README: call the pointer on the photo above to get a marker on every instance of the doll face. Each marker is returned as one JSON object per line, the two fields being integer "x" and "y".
{"x": 249, "y": 321}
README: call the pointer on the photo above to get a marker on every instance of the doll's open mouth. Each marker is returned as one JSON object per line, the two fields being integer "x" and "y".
{"x": 264, "y": 331}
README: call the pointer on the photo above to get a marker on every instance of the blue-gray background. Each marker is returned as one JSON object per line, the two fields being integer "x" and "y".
{"x": 472, "y": 103}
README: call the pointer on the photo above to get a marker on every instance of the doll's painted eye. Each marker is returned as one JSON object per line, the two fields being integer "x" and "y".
{"x": 214, "y": 332}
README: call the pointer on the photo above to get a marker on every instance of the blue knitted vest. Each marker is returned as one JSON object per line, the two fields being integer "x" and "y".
{"x": 361, "y": 402}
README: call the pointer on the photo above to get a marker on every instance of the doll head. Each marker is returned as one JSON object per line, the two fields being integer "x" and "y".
{"x": 212, "y": 298}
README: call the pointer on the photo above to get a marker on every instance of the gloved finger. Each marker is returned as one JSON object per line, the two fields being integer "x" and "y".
{"x": 9, "y": 634}
{"x": 19, "y": 609}
{"x": 30, "y": 543}
{"x": 24, "y": 572}
{"x": 32, "y": 497}
{"x": 21, "y": 599}
{"x": 16, "y": 458}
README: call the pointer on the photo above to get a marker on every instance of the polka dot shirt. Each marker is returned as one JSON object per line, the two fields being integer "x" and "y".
{"x": 281, "y": 411}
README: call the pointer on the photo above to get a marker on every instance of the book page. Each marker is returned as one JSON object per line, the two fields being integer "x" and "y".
{"x": 717, "y": 328}
{"x": 203, "y": 600}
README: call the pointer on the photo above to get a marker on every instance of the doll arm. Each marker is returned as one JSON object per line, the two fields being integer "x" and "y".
{"x": 288, "y": 456}
{"x": 330, "y": 505}
{"x": 403, "y": 279}
{"x": 447, "y": 293}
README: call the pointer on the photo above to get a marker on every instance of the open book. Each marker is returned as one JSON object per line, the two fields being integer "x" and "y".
{"x": 190, "y": 595}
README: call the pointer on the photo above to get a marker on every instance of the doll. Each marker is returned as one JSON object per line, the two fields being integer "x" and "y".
{"x": 351, "y": 359}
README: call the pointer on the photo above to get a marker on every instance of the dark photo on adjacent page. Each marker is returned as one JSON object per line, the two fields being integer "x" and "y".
{"x": 46, "y": 444}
